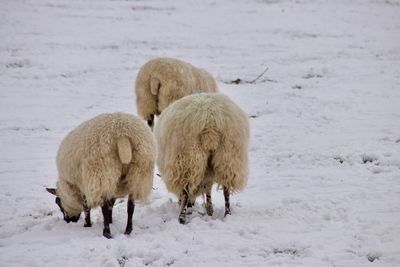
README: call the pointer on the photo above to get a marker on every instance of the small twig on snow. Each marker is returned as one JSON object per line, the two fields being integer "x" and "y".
{"x": 259, "y": 76}
{"x": 240, "y": 81}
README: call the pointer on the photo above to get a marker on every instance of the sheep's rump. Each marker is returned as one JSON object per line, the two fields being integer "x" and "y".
{"x": 89, "y": 162}
{"x": 161, "y": 81}
{"x": 202, "y": 138}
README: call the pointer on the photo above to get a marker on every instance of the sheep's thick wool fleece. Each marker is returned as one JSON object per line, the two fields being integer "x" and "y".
{"x": 89, "y": 161}
{"x": 162, "y": 81}
{"x": 202, "y": 138}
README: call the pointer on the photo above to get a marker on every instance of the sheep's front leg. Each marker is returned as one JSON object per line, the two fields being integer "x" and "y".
{"x": 227, "y": 205}
{"x": 209, "y": 205}
{"x": 88, "y": 222}
{"x": 86, "y": 210}
{"x": 110, "y": 208}
{"x": 106, "y": 219}
{"x": 184, "y": 201}
{"x": 130, "y": 211}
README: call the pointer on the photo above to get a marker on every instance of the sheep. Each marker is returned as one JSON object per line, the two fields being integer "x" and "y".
{"x": 161, "y": 81}
{"x": 202, "y": 139}
{"x": 107, "y": 157}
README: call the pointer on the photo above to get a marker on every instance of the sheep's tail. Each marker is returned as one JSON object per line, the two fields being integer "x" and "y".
{"x": 210, "y": 138}
{"x": 154, "y": 85}
{"x": 124, "y": 150}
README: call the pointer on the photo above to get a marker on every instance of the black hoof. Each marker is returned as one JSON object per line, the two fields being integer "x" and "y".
{"x": 87, "y": 225}
{"x": 227, "y": 212}
{"x": 182, "y": 220}
{"x": 210, "y": 211}
{"x": 128, "y": 231}
{"x": 106, "y": 234}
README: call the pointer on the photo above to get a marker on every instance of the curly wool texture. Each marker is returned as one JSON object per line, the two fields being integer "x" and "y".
{"x": 202, "y": 139}
{"x": 90, "y": 161}
{"x": 162, "y": 81}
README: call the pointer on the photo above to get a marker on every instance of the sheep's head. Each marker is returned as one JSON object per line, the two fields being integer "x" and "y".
{"x": 150, "y": 122}
{"x": 68, "y": 218}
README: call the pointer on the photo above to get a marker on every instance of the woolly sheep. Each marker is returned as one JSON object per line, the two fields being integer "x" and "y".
{"x": 161, "y": 81}
{"x": 202, "y": 139}
{"x": 106, "y": 157}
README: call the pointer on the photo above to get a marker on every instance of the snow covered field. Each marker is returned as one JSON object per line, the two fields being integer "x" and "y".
{"x": 324, "y": 184}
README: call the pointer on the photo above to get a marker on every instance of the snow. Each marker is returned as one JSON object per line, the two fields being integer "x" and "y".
{"x": 324, "y": 183}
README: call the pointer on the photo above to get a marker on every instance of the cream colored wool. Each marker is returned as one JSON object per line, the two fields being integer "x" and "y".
{"x": 162, "y": 81}
{"x": 91, "y": 157}
{"x": 202, "y": 139}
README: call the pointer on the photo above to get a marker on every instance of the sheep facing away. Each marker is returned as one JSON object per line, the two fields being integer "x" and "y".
{"x": 162, "y": 81}
{"x": 202, "y": 139}
{"x": 104, "y": 158}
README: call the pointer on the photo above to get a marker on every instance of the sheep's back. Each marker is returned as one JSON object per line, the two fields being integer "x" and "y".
{"x": 173, "y": 75}
{"x": 186, "y": 119}
{"x": 198, "y": 127}
{"x": 205, "y": 82}
{"x": 177, "y": 79}
{"x": 96, "y": 139}
{"x": 184, "y": 124}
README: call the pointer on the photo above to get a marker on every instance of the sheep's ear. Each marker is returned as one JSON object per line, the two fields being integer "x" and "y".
{"x": 52, "y": 191}
{"x": 154, "y": 86}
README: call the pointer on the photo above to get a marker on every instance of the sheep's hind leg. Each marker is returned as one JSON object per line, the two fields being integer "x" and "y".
{"x": 111, "y": 203}
{"x": 106, "y": 218}
{"x": 209, "y": 205}
{"x": 190, "y": 205}
{"x": 130, "y": 211}
{"x": 227, "y": 205}
{"x": 184, "y": 202}
{"x": 88, "y": 222}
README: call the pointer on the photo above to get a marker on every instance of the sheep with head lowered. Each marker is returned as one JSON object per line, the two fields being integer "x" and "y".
{"x": 202, "y": 139}
{"x": 107, "y": 157}
{"x": 162, "y": 81}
